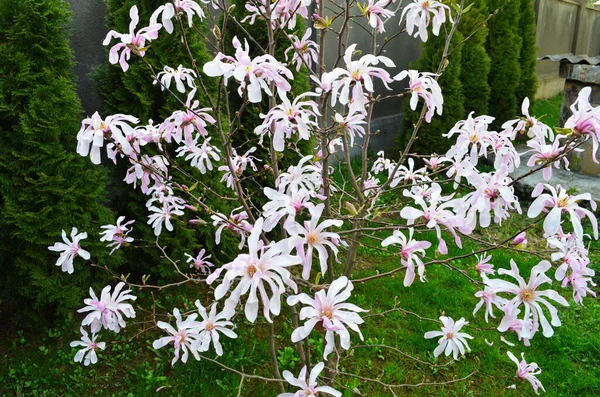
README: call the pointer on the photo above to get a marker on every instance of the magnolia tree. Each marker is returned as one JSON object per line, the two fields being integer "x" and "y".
{"x": 298, "y": 249}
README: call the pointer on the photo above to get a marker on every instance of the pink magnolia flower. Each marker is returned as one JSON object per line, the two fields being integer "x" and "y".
{"x": 253, "y": 74}
{"x": 183, "y": 123}
{"x": 529, "y": 125}
{"x": 520, "y": 241}
{"x": 408, "y": 174}
{"x": 183, "y": 338}
{"x": 473, "y": 138}
{"x": 177, "y": 7}
{"x": 282, "y": 12}
{"x": 69, "y": 250}
{"x": 351, "y": 124}
{"x": 163, "y": 214}
{"x": 425, "y": 86}
{"x": 483, "y": 265}
{"x": 488, "y": 298}
{"x": 527, "y": 371}
{"x": 116, "y": 235}
{"x": 303, "y": 176}
{"x": 559, "y": 202}
{"x": 546, "y": 153}
{"x": 421, "y": 13}
{"x": 358, "y": 76}
{"x": 452, "y": 340}
{"x": 280, "y": 205}
{"x": 87, "y": 354}
{"x": 94, "y": 130}
{"x": 147, "y": 169}
{"x": 289, "y": 118}
{"x": 305, "y": 51}
{"x": 200, "y": 157}
{"x": 132, "y": 41}
{"x": 108, "y": 311}
{"x": 376, "y": 12}
{"x": 409, "y": 251}
{"x": 181, "y": 76}
{"x": 530, "y": 297}
{"x": 260, "y": 267}
{"x": 312, "y": 236}
{"x": 585, "y": 119}
{"x": 200, "y": 262}
{"x": 329, "y": 311}
{"x": 236, "y": 222}
{"x": 239, "y": 165}
{"x": 211, "y": 326}
{"x": 308, "y": 387}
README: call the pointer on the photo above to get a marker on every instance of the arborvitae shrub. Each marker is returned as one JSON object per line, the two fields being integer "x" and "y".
{"x": 475, "y": 62}
{"x": 430, "y": 139}
{"x": 504, "y": 49}
{"x": 527, "y": 31}
{"x": 45, "y": 185}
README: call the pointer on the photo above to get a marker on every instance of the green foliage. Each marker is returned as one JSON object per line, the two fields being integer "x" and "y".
{"x": 429, "y": 138}
{"x": 45, "y": 185}
{"x": 504, "y": 49}
{"x": 134, "y": 93}
{"x": 475, "y": 62}
{"x": 527, "y": 31}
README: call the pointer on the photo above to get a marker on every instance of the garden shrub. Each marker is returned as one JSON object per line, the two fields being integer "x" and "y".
{"x": 45, "y": 185}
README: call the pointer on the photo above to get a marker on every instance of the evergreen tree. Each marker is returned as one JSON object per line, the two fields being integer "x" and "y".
{"x": 527, "y": 27}
{"x": 45, "y": 185}
{"x": 429, "y": 138}
{"x": 504, "y": 49}
{"x": 475, "y": 63}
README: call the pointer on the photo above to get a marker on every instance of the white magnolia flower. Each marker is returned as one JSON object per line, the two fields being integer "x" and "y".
{"x": 108, "y": 311}
{"x": 529, "y": 296}
{"x": 452, "y": 340}
{"x": 69, "y": 250}
{"x": 116, "y": 235}
{"x": 87, "y": 354}
{"x": 527, "y": 371}
{"x": 211, "y": 325}
{"x": 308, "y": 387}
{"x": 180, "y": 75}
{"x": 329, "y": 311}
{"x": 183, "y": 338}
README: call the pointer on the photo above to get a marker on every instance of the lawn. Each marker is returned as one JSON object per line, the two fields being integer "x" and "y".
{"x": 40, "y": 363}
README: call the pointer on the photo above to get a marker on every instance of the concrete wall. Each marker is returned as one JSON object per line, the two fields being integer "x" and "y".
{"x": 564, "y": 26}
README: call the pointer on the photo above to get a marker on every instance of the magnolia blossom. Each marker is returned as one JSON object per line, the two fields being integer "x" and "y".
{"x": 308, "y": 387}
{"x": 529, "y": 125}
{"x": 302, "y": 176}
{"x": 527, "y": 371}
{"x": 176, "y": 7}
{"x": 69, "y": 250}
{"x": 351, "y": 124}
{"x": 108, "y": 311}
{"x": 530, "y": 297}
{"x": 236, "y": 222}
{"x": 559, "y": 202}
{"x": 200, "y": 262}
{"x": 260, "y": 267}
{"x": 253, "y": 74}
{"x": 328, "y": 311}
{"x": 132, "y": 41}
{"x": 409, "y": 251}
{"x": 312, "y": 236}
{"x": 94, "y": 130}
{"x": 483, "y": 265}
{"x": 472, "y": 133}
{"x": 376, "y": 12}
{"x": 358, "y": 76}
{"x": 425, "y": 86}
{"x": 305, "y": 51}
{"x": 117, "y": 234}
{"x": 520, "y": 242}
{"x": 280, "y": 205}
{"x": 146, "y": 170}
{"x": 180, "y": 76}
{"x": 87, "y": 354}
{"x": 488, "y": 298}
{"x": 162, "y": 215}
{"x": 288, "y": 118}
{"x": 239, "y": 164}
{"x": 211, "y": 325}
{"x": 452, "y": 340}
{"x": 281, "y": 13}
{"x": 183, "y": 123}
{"x": 585, "y": 120}
{"x": 200, "y": 157}
{"x": 184, "y": 338}
{"x": 546, "y": 154}
{"x": 420, "y": 14}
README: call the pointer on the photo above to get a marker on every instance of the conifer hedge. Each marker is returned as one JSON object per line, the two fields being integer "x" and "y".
{"x": 527, "y": 30}
{"x": 45, "y": 185}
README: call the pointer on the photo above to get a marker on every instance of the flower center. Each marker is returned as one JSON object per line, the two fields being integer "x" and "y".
{"x": 563, "y": 202}
{"x": 527, "y": 295}
{"x": 252, "y": 269}
{"x": 312, "y": 238}
{"x": 327, "y": 313}
{"x": 210, "y": 327}
{"x": 449, "y": 335}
